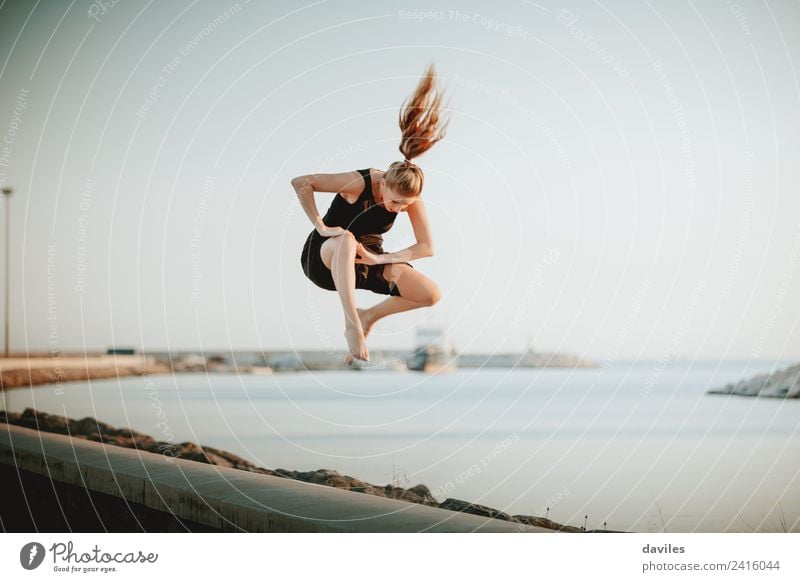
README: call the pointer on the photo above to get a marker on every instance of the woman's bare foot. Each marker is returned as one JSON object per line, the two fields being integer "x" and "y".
{"x": 366, "y": 321}
{"x": 356, "y": 342}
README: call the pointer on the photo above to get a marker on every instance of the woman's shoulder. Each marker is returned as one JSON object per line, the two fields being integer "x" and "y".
{"x": 374, "y": 173}
{"x": 355, "y": 187}
{"x": 368, "y": 177}
{"x": 362, "y": 185}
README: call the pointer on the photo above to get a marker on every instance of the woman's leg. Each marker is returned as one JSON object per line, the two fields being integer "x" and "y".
{"x": 339, "y": 253}
{"x": 416, "y": 290}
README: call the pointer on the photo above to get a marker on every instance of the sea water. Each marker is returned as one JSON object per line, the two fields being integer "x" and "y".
{"x": 635, "y": 446}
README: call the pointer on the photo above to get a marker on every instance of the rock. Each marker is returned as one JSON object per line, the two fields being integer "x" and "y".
{"x": 32, "y": 418}
{"x": 9, "y": 417}
{"x": 264, "y": 471}
{"x": 419, "y": 494}
{"x": 189, "y": 447}
{"x": 546, "y": 523}
{"x": 218, "y": 460}
{"x": 190, "y": 451}
{"x": 229, "y": 458}
{"x": 88, "y": 425}
{"x": 473, "y": 508}
{"x": 324, "y": 477}
{"x": 780, "y": 384}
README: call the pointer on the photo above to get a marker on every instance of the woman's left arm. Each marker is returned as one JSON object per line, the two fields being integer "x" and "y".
{"x": 422, "y": 232}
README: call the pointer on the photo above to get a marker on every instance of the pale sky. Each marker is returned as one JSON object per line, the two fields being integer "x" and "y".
{"x": 618, "y": 180}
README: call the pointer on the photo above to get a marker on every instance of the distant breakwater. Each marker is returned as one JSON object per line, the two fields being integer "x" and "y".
{"x": 55, "y": 370}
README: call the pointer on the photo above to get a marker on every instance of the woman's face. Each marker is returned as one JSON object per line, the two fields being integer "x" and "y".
{"x": 394, "y": 202}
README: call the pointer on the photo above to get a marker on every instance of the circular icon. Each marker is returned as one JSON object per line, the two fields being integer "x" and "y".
{"x": 31, "y": 555}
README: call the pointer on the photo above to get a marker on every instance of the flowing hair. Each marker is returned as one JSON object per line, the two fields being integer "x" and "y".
{"x": 421, "y": 126}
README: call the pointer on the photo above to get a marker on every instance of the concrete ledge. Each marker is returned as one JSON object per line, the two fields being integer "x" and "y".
{"x": 220, "y": 498}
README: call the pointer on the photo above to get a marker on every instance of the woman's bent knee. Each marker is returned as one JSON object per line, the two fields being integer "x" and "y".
{"x": 430, "y": 294}
{"x": 343, "y": 243}
{"x": 434, "y": 295}
{"x": 346, "y": 245}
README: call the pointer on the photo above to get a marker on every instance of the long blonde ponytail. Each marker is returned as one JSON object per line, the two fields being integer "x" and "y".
{"x": 421, "y": 126}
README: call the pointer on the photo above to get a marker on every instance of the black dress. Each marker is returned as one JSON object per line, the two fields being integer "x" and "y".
{"x": 367, "y": 220}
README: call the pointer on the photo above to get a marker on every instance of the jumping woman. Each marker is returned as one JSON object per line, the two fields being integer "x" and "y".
{"x": 345, "y": 252}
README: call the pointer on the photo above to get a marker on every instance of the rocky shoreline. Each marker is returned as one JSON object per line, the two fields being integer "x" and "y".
{"x": 91, "y": 429}
{"x": 781, "y": 384}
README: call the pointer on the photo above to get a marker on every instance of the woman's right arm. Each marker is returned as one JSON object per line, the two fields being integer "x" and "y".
{"x": 345, "y": 183}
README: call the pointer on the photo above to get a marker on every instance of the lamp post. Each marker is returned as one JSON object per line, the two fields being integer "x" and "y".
{"x": 7, "y": 192}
